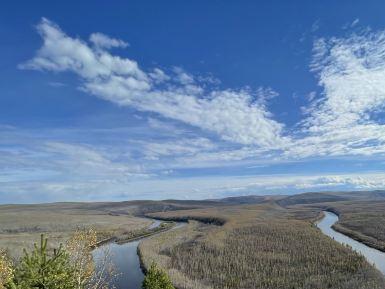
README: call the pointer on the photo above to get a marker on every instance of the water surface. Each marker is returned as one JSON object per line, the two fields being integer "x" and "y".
{"x": 126, "y": 261}
{"x": 126, "y": 264}
{"x": 374, "y": 256}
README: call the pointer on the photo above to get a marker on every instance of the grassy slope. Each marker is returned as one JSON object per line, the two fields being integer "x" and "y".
{"x": 259, "y": 246}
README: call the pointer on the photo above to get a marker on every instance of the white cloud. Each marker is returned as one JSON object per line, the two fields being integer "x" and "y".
{"x": 159, "y": 75}
{"x": 315, "y": 26}
{"x": 180, "y": 147}
{"x": 342, "y": 121}
{"x": 355, "y": 22}
{"x": 232, "y": 114}
{"x": 352, "y": 72}
{"x": 103, "y": 41}
{"x": 63, "y": 53}
{"x": 58, "y": 160}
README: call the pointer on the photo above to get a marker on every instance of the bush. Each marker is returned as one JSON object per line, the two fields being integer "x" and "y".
{"x": 156, "y": 278}
{"x": 40, "y": 270}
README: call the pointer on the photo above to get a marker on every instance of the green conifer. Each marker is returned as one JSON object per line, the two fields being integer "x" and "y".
{"x": 156, "y": 278}
{"x": 41, "y": 270}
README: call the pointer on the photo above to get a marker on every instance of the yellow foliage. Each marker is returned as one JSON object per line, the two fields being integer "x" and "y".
{"x": 6, "y": 270}
{"x": 79, "y": 247}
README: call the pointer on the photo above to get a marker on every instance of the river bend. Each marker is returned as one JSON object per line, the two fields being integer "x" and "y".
{"x": 374, "y": 256}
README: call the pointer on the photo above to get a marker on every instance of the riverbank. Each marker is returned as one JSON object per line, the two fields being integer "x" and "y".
{"x": 356, "y": 235}
{"x": 137, "y": 234}
{"x": 373, "y": 256}
{"x": 369, "y": 241}
{"x": 126, "y": 258}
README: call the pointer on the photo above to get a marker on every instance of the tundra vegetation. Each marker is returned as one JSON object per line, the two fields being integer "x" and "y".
{"x": 260, "y": 246}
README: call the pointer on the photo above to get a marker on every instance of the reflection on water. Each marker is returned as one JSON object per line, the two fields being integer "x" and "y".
{"x": 374, "y": 256}
{"x": 126, "y": 261}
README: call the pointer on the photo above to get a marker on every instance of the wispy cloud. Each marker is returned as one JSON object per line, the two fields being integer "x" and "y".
{"x": 351, "y": 72}
{"x": 103, "y": 41}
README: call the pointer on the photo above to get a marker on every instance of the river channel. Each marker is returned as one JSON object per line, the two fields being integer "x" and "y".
{"x": 374, "y": 256}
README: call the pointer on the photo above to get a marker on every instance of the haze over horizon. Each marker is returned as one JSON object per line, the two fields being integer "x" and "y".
{"x": 190, "y": 100}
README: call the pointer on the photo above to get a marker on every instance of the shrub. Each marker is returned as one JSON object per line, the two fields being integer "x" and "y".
{"x": 85, "y": 273}
{"x": 40, "y": 270}
{"x": 156, "y": 278}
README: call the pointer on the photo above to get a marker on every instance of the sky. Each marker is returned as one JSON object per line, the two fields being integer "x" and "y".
{"x": 190, "y": 99}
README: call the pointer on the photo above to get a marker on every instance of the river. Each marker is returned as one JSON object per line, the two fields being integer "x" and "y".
{"x": 126, "y": 261}
{"x": 374, "y": 256}
{"x": 127, "y": 264}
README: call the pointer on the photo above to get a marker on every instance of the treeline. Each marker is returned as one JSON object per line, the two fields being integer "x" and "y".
{"x": 212, "y": 220}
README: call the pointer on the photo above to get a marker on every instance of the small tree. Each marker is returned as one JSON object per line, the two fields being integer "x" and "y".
{"x": 6, "y": 270}
{"x": 156, "y": 278}
{"x": 40, "y": 270}
{"x": 86, "y": 274}
{"x": 79, "y": 247}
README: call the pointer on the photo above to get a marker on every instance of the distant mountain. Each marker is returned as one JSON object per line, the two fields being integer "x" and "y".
{"x": 142, "y": 207}
{"x": 325, "y": 197}
{"x": 251, "y": 199}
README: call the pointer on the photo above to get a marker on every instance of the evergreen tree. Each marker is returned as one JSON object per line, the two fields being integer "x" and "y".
{"x": 156, "y": 278}
{"x": 40, "y": 270}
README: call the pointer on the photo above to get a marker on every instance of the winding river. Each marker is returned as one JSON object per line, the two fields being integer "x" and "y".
{"x": 126, "y": 261}
{"x": 373, "y": 256}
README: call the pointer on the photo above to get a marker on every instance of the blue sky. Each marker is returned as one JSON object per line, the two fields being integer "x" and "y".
{"x": 190, "y": 99}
